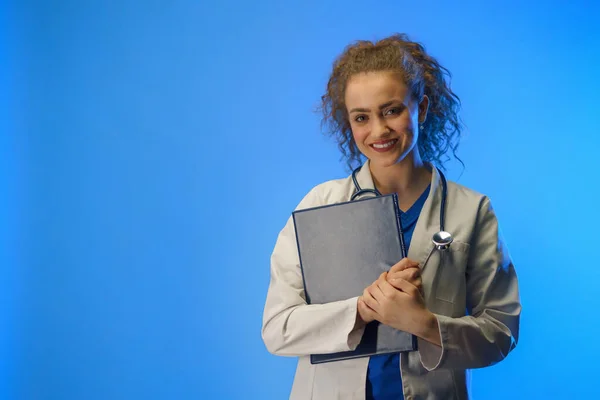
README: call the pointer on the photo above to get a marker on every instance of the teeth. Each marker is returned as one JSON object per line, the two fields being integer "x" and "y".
{"x": 384, "y": 145}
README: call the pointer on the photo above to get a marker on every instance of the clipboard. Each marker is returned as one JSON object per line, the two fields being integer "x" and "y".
{"x": 343, "y": 248}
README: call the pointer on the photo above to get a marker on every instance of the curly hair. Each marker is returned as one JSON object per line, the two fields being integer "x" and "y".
{"x": 422, "y": 74}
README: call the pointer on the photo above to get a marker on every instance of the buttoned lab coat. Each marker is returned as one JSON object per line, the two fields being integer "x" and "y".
{"x": 473, "y": 293}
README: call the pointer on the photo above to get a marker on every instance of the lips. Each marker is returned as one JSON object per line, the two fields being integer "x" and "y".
{"x": 384, "y": 146}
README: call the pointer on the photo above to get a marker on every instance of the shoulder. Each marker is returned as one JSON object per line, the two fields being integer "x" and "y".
{"x": 470, "y": 203}
{"x": 328, "y": 192}
{"x": 465, "y": 195}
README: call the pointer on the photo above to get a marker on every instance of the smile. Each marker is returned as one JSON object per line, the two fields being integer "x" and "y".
{"x": 384, "y": 145}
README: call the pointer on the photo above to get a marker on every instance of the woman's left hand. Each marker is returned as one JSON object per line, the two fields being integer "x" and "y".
{"x": 400, "y": 306}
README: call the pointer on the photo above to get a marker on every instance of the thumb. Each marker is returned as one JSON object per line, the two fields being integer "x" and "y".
{"x": 403, "y": 264}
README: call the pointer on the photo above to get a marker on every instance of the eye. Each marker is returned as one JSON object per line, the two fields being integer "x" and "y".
{"x": 392, "y": 111}
{"x": 360, "y": 118}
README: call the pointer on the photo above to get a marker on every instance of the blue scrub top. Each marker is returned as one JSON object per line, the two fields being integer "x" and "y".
{"x": 383, "y": 376}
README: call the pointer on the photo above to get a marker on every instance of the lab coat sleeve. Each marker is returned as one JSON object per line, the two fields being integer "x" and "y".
{"x": 491, "y": 329}
{"x": 291, "y": 327}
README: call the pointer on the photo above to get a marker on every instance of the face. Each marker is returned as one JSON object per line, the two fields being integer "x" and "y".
{"x": 384, "y": 117}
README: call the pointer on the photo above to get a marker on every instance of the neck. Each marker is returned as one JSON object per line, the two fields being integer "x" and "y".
{"x": 408, "y": 179}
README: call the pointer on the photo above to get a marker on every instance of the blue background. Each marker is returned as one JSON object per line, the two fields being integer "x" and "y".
{"x": 151, "y": 151}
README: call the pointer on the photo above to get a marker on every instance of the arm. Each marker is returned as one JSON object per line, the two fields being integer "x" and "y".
{"x": 491, "y": 330}
{"x": 290, "y": 326}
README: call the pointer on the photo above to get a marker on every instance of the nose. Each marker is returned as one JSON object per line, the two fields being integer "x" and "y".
{"x": 380, "y": 128}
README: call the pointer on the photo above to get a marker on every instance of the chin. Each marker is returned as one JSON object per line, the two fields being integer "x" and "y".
{"x": 386, "y": 160}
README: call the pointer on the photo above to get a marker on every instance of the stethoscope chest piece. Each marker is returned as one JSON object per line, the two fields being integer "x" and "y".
{"x": 442, "y": 240}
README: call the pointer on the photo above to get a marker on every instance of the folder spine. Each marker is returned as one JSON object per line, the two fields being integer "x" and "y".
{"x": 399, "y": 224}
{"x": 300, "y": 259}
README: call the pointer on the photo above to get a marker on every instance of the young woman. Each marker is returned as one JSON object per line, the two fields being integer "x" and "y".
{"x": 389, "y": 103}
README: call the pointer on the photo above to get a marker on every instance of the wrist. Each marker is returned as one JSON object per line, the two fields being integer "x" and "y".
{"x": 430, "y": 329}
{"x": 359, "y": 322}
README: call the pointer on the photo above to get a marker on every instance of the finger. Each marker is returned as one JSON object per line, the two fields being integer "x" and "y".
{"x": 418, "y": 283}
{"x": 388, "y": 289}
{"x": 407, "y": 277}
{"x": 409, "y": 274}
{"x": 419, "y": 286}
{"x": 366, "y": 312}
{"x": 376, "y": 292}
{"x": 369, "y": 300}
{"x": 406, "y": 287}
{"x": 413, "y": 273}
{"x": 365, "y": 306}
{"x": 395, "y": 283}
{"x": 404, "y": 264}
{"x": 382, "y": 278}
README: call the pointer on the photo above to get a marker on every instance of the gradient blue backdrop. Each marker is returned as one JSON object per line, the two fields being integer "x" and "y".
{"x": 152, "y": 150}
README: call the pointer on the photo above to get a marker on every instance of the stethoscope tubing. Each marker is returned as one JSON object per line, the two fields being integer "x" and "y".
{"x": 360, "y": 192}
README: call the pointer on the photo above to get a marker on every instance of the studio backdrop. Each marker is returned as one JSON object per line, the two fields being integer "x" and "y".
{"x": 152, "y": 150}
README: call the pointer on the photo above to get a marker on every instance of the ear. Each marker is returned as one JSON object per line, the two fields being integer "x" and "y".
{"x": 423, "y": 108}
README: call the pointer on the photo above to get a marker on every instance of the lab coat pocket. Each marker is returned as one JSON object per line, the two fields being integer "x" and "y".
{"x": 450, "y": 280}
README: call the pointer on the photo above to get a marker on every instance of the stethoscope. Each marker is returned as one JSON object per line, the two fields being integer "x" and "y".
{"x": 441, "y": 239}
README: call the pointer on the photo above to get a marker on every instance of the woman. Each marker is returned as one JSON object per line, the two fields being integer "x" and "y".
{"x": 389, "y": 102}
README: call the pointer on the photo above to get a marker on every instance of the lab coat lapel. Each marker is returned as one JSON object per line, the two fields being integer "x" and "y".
{"x": 428, "y": 223}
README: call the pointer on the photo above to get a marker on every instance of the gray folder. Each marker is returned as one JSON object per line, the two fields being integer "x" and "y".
{"x": 343, "y": 248}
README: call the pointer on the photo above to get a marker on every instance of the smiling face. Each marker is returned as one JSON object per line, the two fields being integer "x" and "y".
{"x": 384, "y": 117}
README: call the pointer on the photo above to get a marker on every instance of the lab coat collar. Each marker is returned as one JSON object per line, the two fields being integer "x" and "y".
{"x": 364, "y": 177}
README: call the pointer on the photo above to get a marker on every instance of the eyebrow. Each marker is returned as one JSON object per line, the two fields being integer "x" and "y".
{"x": 381, "y": 107}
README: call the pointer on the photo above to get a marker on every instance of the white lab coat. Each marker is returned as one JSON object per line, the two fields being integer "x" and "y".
{"x": 473, "y": 293}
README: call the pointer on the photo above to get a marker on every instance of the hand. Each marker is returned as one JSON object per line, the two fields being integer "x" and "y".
{"x": 366, "y": 315}
{"x": 401, "y": 306}
{"x": 407, "y": 270}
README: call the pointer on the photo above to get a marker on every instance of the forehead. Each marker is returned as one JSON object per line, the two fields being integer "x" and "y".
{"x": 372, "y": 88}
